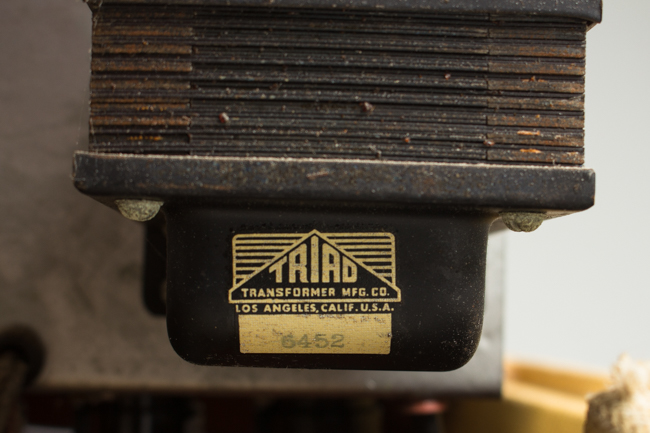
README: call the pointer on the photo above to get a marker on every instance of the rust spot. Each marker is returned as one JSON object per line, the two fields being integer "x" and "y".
{"x": 555, "y": 86}
{"x": 539, "y": 68}
{"x": 141, "y": 65}
{"x": 534, "y": 133}
{"x": 139, "y": 101}
{"x": 139, "y": 121}
{"x": 144, "y": 48}
{"x": 488, "y": 143}
{"x": 145, "y": 138}
{"x": 407, "y": 140}
{"x": 534, "y": 79}
{"x": 538, "y": 50}
{"x": 539, "y": 121}
{"x": 575, "y": 103}
{"x": 447, "y": 76}
{"x": 224, "y": 118}
{"x": 569, "y": 139}
{"x": 159, "y": 107}
{"x": 141, "y": 107}
{"x": 139, "y": 84}
{"x": 530, "y": 150}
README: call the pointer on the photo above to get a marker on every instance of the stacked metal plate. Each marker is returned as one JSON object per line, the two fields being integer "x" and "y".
{"x": 210, "y": 79}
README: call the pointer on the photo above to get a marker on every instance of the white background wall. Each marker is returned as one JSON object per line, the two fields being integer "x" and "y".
{"x": 578, "y": 289}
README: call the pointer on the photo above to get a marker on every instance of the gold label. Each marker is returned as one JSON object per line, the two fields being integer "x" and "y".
{"x": 314, "y": 292}
{"x": 315, "y": 333}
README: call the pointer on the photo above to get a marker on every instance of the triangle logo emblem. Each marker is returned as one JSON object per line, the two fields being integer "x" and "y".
{"x": 314, "y": 267}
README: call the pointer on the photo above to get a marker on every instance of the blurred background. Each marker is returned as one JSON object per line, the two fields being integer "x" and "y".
{"x": 577, "y": 290}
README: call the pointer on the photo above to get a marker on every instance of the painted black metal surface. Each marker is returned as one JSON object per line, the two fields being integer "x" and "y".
{"x": 155, "y": 267}
{"x": 440, "y": 269}
{"x": 206, "y": 179}
{"x": 590, "y": 10}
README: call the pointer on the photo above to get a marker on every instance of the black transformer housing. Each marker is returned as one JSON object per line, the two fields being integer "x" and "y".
{"x": 329, "y": 171}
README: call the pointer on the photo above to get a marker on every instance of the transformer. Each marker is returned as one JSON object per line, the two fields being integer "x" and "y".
{"x": 320, "y": 177}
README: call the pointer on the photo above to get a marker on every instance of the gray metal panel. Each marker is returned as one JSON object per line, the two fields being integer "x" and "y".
{"x": 589, "y": 10}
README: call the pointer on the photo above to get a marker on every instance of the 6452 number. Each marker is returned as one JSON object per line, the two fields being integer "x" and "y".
{"x": 319, "y": 341}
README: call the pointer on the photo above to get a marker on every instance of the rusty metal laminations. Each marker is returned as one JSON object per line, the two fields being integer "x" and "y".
{"x": 289, "y": 82}
{"x": 589, "y": 10}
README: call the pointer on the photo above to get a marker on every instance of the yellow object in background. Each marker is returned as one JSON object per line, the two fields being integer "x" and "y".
{"x": 536, "y": 399}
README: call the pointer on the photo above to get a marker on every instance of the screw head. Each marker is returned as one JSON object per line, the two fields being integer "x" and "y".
{"x": 523, "y": 221}
{"x": 138, "y": 210}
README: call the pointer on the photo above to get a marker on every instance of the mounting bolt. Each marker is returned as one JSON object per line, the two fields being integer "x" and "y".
{"x": 523, "y": 221}
{"x": 138, "y": 210}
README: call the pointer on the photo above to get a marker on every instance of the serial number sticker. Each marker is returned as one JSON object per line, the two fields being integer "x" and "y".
{"x": 311, "y": 333}
{"x": 314, "y": 292}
